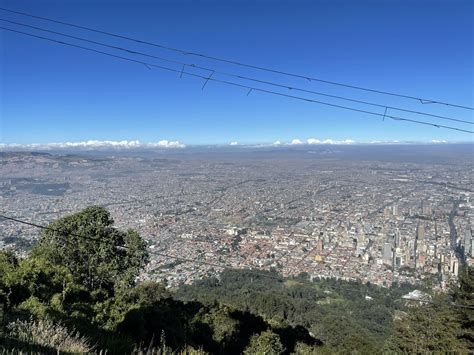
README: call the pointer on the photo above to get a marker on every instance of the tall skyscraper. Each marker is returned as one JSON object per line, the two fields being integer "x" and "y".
{"x": 420, "y": 232}
{"x": 397, "y": 238}
{"x": 454, "y": 266}
{"x": 468, "y": 241}
{"x": 387, "y": 253}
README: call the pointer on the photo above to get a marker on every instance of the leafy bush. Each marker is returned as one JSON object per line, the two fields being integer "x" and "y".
{"x": 265, "y": 343}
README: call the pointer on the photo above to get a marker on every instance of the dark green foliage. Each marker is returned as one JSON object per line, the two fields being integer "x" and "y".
{"x": 442, "y": 326}
{"x": 463, "y": 296}
{"x": 225, "y": 328}
{"x": 335, "y": 312}
{"x": 113, "y": 259}
{"x": 8, "y": 263}
{"x": 426, "y": 329}
{"x": 265, "y": 343}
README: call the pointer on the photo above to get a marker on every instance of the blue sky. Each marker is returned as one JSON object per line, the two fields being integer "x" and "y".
{"x": 52, "y": 93}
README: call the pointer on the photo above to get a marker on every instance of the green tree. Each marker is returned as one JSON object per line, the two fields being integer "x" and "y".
{"x": 463, "y": 297}
{"x": 344, "y": 333}
{"x": 97, "y": 254}
{"x": 8, "y": 264}
{"x": 431, "y": 328}
{"x": 224, "y": 326}
{"x": 265, "y": 343}
{"x": 305, "y": 349}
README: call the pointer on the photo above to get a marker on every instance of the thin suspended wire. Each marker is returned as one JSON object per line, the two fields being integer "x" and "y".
{"x": 233, "y": 62}
{"x": 213, "y": 71}
{"x": 247, "y": 87}
{"x": 60, "y": 232}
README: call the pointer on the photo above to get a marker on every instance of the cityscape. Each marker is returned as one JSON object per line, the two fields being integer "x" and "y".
{"x": 236, "y": 177}
{"x": 342, "y": 212}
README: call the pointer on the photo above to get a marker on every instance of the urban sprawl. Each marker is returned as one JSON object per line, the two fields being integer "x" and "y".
{"x": 307, "y": 212}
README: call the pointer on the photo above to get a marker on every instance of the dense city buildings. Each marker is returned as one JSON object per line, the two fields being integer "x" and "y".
{"x": 338, "y": 212}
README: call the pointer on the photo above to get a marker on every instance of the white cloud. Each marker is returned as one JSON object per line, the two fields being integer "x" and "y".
{"x": 437, "y": 141}
{"x": 165, "y": 144}
{"x": 234, "y": 143}
{"x": 313, "y": 141}
{"x": 296, "y": 142}
{"x": 93, "y": 144}
{"x": 277, "y": 143}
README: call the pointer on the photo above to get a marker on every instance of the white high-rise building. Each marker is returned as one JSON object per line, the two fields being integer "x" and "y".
{"x": 387, "y": 253}
{"x": 468, "y": 241}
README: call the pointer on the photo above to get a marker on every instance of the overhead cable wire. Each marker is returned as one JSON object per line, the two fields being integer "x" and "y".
{"x": 209, "y": 78}
{"x": 237, "y": 63}
{"x": 238, "y": 76}
{"x": 105, "y": 45}
{"x": 60, "y": 232}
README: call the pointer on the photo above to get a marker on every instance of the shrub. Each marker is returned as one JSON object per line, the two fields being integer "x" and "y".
{"x": 45, "y": 332}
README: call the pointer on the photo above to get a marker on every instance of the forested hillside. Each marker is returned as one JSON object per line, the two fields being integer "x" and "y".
{"x": 343, "y": 315}
{"x": 77, "y": 292}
